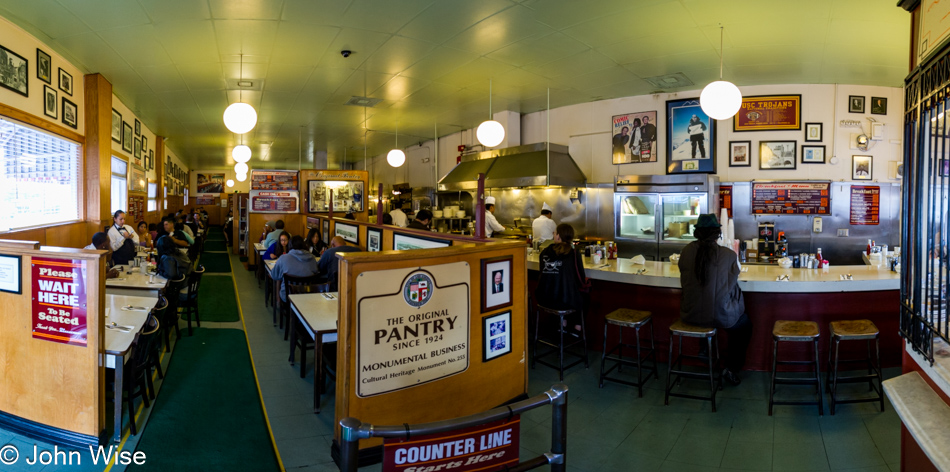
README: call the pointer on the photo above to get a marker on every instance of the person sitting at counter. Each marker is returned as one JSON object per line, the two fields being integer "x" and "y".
{"x": 122, "y": 239}
{"x": 298, "y": 262}
{"x": 278, "y": 228}
{"x": 491, "y": 224}
{"x": 172, "y": 264}
{"x": 399, "y": 218}
{"x": 100, "y": 242}
{"x": 328, "y": 263}
{"x": 387, "y": 219}
{"x": 543, "y": 227}
{"x": 279, "y": 248}
{"x": 315, "y": 242}
{"x": 422, "y": 220}
{"x": 711, "y": 297}
{"x": 562, "y": 273}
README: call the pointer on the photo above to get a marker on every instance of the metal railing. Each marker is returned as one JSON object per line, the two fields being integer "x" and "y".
{"x": 353, "y": 430}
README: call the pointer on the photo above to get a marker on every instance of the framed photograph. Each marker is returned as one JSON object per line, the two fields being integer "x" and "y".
{"x": 634, "y": 137}
{"x": 326, "y": 230}
{"x": 127, "y": 138}
{"x": 151, "y": 159}
{"x": 496, "y": 331}
{"x": 211, "y": 183}
{"x": 137, "y": 153}
{"x": 44, "y": 66}
{"x": 813, "y": 154}
{"x": 116, "y": 126}
{"x": 740, "y": 153}
{"x": 861, "y": 167}
{"x": 778, "y": 155}
{"x": 144, "y": 145}
{"x": 348, "y": 232}
{"x": 496, "y": 283}
{"x": 403, "y": 242}
{"x": 70, "y": 114}
{"x": 138, "y": 127}
{"x": 10, "y": 268}
{"x": 374, "y": 239}
{"x": 855, "y": 104}
{"x": 50, "y": 101}
{"x": 878, "y": 106}
{"x": 65, "y": 82}
{"x": 690, "y": 138}
{"x": 769, "y": 113}
{"x": 13, "y": 72}
{"x": 813, "y": 132}
{"x": 347, "y": 196}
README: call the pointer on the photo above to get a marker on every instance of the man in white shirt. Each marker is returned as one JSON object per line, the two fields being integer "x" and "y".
{"x": 543, "y": 227}
{"x": 399, "y": 218}
{"x": 492, "y": 225}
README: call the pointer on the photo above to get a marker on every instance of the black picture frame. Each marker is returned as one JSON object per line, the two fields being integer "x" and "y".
{"x": 17, "y": 273}
{"x": 855, "y": 104}
{"x": 489, "y": 267}
{"x": 353, "y": 231}
{"x": 116, "y": 126}
{"x": 151, "y": 159}
{"x": 862, "y": 164}
{"x": 21, "y": 82}
{"x": 144, "y": 145}
{"x": 44, "y": 66}
{"x": 127, "y": 137}
{"x": 374, "y": 239}
{"x": 735, "y": 148}
{"x": 137, "y": 150}
{"x": 810, "y": 154}
{"x": 50, "y": 102}
{"x": 496, "y": 335}
{"x": 70, "y": 114}
{"x": 680, "y": 123}
{"x": 810, "y": 132}
{"x": 65, "y": 82}
{"x": 422, "y": 241}
{"x": 138, "y": 127}
{"x": 770, "y": 158}
{"x": 878, "y": 105}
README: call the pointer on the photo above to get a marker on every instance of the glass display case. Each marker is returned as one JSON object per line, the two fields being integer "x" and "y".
{"x": 637, "y": 217}
{"x": 680, "y": 212}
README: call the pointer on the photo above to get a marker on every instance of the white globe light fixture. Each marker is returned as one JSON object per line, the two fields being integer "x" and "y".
{"x": 240, "y": 118}
{"x": 720, "y": 100}
{"x": 241, "y": 153}
{"x": 490, "y": 133}
{"x": 396, "y": 158}
{"x": 240, "y": 168}
{"x": 241, "y": 177}
{"x": 230, "y": 183}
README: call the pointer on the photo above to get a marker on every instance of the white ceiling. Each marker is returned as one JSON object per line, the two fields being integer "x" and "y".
{"x": 175, "y": 63}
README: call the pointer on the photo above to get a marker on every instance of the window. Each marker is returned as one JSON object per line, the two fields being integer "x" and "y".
{"x": 165, "y": 200}
{"x": 40, "y": 180}
{"x": 152, "y": 192}
{"x": 120, "y": 184}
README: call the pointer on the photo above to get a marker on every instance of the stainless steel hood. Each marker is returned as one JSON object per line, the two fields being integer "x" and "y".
{"x": 520, "y": 166}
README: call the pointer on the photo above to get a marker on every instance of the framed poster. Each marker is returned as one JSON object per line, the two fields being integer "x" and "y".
{"x": 855, "y": 104}
{"x": 347, "y": 196}
{"x": 813, "y": 154}
{"x": 496, "y": 330}
{"x": 49, "y": 101}
{"x": 861, "y": 167}
{"x": 878, "y": 106}
{"x": 403, "y": 242}
{"x": 138, "y": 127}
{"x": 137, "y": 153}
{"x": 634, "y": 137}
{"x": 10, "y": 280}
{"x": 777, "y": 155}
{"x": 865, "y": 205}
{"x": 65, "y": 82}
{"x": 350, "y": 233}
{"x": 769, "y": 113}
{"x": 496, "y": 283}
{"x": 740, "y": 153}
{"x": 127, "y": 139}
{"x": 813, "y": 132}
{"x": 211, "y": 183}
{"x": 70, "y": 114}
{"x": 13, "y": 73}
{"x": 690, "y": 138}
{"x": 137, "y": 180}
{"x": 44, "y": 66}
{"x": 374, "y": 239}
{"x": 116, "y": 126}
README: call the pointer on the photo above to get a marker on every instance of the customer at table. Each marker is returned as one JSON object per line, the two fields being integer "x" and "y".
{"x": 399, "y": 217}
{"x": 299, "y": 262}
{"x": 168, "y": 229}
{"x": 423, "y": 220}
{"x": 272, "y": 236}
{"x": 491, "y": 224}
{"x": 191, "y": 223}
{"x": 328, "y": 263}
{"x": 100, "y": 242}
{"x": 315, "y": 243}
{"x": 172, "y": 264}
{"x": 279, "y": 248}
{"x": 562, "y": 273}
{"x": 709, "y": 275}
{"x": 543, "y": 227}
{"x": 180, "y": 224}
{"x": 387, "y": 219}
{"x": 122, "y": 239}
{"x": 145, "y": 237}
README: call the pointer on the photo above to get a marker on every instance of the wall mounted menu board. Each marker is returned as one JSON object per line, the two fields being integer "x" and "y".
{"x": 725, "y": 198}
{"x": 136, "y": 210}
{"x": 274, "y": 180}
{"x": 274, "y": 202}
{"x": 865, "y": 205}
{"x": 791, "y": 198}
{"x": 769, "y": 113}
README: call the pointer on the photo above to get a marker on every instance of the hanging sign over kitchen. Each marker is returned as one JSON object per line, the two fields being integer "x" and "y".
{"x": 791, "y": 198}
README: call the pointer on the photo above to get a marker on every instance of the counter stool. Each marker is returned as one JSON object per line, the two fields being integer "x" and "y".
{"x": 854, "y": 330}
{"x": 795, "y": 331}
{"x": 558, "y": 346}
{"x": 627, "y": 318}
{"x": 681, "y": 330}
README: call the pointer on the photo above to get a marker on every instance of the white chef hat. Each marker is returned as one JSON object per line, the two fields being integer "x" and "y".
{"x": 546, "y": 207}
{"x": 489, "y": 200}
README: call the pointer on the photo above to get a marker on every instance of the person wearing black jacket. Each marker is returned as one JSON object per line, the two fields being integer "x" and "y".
{"x": 422, "y": 220}
{"x": 562, "y": 273}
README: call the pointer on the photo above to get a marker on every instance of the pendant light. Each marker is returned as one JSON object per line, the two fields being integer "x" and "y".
{"x": 240, "y": 117}
{"x": 720, "y": 100}
{"x": 490, "y": 133}
{"x": 230, "y": 183}
{"x": 396, "y": 157}
{"x": 241, "y": 177}
{"x": 240, "y": 168}
{"x": 241, "y": 153}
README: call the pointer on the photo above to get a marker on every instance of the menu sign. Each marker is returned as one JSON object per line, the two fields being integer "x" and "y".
{"x": 725, "y": 198}
{"x": 491, "y": 446}
{"x": 59, "y": 300}
{"x": 780, "y": 112}
{"x": 865, "y": 205}
{"x": 274, "y": 180}
{"x": 274, "y": 202}
{"x": 791, "y": 198}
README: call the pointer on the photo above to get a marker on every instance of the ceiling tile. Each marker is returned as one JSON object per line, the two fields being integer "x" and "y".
{"x": 162, "y": 78}
{"x": 478, "y": 71}
{"x": 211, "y": 100}
{"x": 382, "y": 16}
{"x": 673, "y": 63}
{"x": 399, "y": 87}
{"x": 497, "y": 31}
{"x": 633, "y": 22}
{"x": 600, "y": 78}
{"x": 442, "y": 20}
{"x": 568, "y": 65}
{"x": 92, "y": 51}
{"x": 248, "y": 37}
{"x": 106, "y": 15}
{"x": 246, "y": 9}
{"x": 397, "y": 54}
{"x": 138, "y": 45}
{"x": 539, "y": 49}
{"x": 176, "y": 10}
{"x": 178, "y": 101}
{"x": 189, "y": 41}
{"x": 560, "y": 14}
{"x": 287, "y": 77}
{"x": 202, "y": 75}
{"x": 322, "y": 12}
{"x": 46, "y": 16}
{"x": 438, "y": 63}
{"x": 292, "y": 34}
{"x": 642, "y": 48}
{"x": 124, "y": 80}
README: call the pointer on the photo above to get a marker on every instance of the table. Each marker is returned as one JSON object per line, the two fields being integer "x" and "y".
{"x": 259, "y": 250}
{"x": 119, "y": 343}
{"x": 319, "y": 316}
{"x": 271, "y": 289}
{"x": 135, "y": 284}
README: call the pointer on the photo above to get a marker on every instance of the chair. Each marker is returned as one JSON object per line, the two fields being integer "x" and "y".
{"x": 298, "y": 335}
{"x": 135, "y": 376}
{"x": 558, "y": 346}
{"x": 854, "y": 330}
{"x": 680, "y": 330}
{"x": 627, "y": 318}
{"x": 284, "y": 307}
{"x": 795, "y": 331}
{"x": 189, "y": 299}
{"x": 158, "y": 312}
{"x": 172, "y": 293}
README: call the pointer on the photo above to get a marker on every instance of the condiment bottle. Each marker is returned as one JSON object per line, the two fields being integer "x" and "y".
{"x": 869, "y": 247}
{"x": 819, "y": 258}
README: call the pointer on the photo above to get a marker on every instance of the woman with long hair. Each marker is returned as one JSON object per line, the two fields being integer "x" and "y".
{"x": 315, "y": 242}
{"x": 279, "y": 248}
{"x": 709, "y": 275}
{"x": 145, "y": 237}
{"x": 172, "y": 264}
{"x": 562, "y": 273}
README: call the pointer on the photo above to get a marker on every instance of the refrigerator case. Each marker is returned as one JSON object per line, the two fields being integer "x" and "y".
{"x": 636, "y": 224}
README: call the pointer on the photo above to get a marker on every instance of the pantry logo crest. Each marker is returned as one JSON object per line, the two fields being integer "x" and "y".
{"x": 417, "y": 289}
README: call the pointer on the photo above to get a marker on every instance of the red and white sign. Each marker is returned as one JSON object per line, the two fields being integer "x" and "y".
{"x": 59, "y": 300}
{"x": 487, "y": 447}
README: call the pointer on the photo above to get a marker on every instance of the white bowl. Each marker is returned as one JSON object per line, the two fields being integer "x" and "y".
{"x": 460, "y": 214}
{"x": 437, "y": 213}
{"x": 449, "y": 212}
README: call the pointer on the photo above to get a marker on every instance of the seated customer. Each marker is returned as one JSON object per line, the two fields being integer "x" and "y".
{"x": 279, "y": 248}
{"x": 172, "y": 264}
{"x": 315, "y": 242}
{"x": 168, "y": 229}
{"x": 273, "y": 235}
{"x": 709, "y": 275}
{"x": 422, "y": 220}
{"x": 181, "y": 228}
{"x": 100, "y": 241}
{"x": 328, "y": 264}
{"x": 387, "y": 219}
{"x": 562, "y": 273}
{"x": 296, "y": 263}
{"x": 145, "y": 237}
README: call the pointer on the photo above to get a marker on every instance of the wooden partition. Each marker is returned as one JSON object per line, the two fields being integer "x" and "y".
{"x": 389, "y": 231}
{"x": 52, "y": 390}
{"x": 375, "y": 292}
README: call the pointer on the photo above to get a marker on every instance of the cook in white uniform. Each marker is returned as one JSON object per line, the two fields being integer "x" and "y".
{"x": 491, "y": 224}
{"x": 399, "y": 218}
{"x": 542, "y": 229}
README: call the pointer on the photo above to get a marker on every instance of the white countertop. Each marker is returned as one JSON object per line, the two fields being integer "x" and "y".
{"x": 754, "y": 278}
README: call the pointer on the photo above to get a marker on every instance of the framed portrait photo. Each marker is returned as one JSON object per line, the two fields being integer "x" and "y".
{"x": 496, "y": 283}
{"x": 127, "y": 139}
{"x": 862, "y": 167}
{"x": 855, "y": 104}
{"x": 15, "y": 76}
{"x": 634, "y": 138}
{"x": 690, "y": 138}
{"x": 70, "y": 114}
{"x": 137, "y": 152}
{"x": 44, "y": 66}
{"x": 878, "y": 106}
{"x": 116, "y": 126}
{"x": 740, "y": 153}
{"x": 65, "y": 82}
{"x": 50, "y": 101}
{"x": 496, "y": 331}
{"x": 138, "y": 127}
{"x": 813, "y": 154}
{"x": 778, "y": 155}
{"x": 374, "y": 239}
{"x": 813, "y": 132}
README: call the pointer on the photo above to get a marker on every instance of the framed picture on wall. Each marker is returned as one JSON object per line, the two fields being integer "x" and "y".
{"x": 138, "y": 127}
{"x": 144, "y": 145}
{"x": 690, "y": 138}
{"x": 70, "y": 114}
{"x": 151, "y": 159}
{"x": 127, "y": 137}
{"x": 137, "y": 153}
{"x": 740, "y": 153}
{"x": 403, "y": 242}
{"x": 813, "y": 132}
{"x": 878, "y": 106}
{"x": 778, "y": 155}
{"x": 634, "y": 138}
{"x": 50, "y": 100}
{"x": 116, "y": 126}
{"x": 15, "y": 75}
{"x": 496, "y": 283}
{"x": 855, "y": 104}
{"x": 65, "y": 82}
{"x": 813, "y": 154}
{"x": 44, "y": 66}
{"x": 374, "y": 239}
{"x": 496, "y": 331}
{"x": 861, "y": 167}
{"x": 10, "y": 268}
{"x": 350, "y": 233}
{"x": 326, "y": 231}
